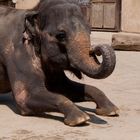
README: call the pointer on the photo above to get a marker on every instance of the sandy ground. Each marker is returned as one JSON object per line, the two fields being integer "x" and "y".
{"x": 122, "y": 87}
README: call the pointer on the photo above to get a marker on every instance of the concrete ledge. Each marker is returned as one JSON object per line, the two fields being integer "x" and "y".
{"x": 126, "y": 41}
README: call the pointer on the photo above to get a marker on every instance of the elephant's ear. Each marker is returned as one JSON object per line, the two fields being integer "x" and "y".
{"x": 31, "y": 22}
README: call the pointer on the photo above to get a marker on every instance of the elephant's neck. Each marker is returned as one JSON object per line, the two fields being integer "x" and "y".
{"x": 54, "y": 78}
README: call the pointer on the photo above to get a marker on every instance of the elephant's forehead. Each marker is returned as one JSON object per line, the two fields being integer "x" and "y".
{"x": 82, "y": 37}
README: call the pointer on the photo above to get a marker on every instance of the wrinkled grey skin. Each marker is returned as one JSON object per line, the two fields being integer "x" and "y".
{"x": 37, "y": 45}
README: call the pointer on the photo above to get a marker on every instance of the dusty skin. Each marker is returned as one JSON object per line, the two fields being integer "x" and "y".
{"x": 122, "y": 87}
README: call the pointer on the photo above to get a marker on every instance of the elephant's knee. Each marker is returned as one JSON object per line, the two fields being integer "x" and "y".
{"x": 22, "y": 101}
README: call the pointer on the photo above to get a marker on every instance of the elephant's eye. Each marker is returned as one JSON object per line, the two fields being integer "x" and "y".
{"x": 61, "y": 36}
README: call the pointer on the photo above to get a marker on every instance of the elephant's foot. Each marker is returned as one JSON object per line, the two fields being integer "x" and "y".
{"x": 76, "y": 117}
{"x": 107, "y": 110}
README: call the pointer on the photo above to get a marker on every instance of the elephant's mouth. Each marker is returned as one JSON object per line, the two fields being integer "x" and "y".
{"x": 75, "y": 71}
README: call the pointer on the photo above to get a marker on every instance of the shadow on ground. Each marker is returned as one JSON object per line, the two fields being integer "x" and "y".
{"x": 8, "y": 100}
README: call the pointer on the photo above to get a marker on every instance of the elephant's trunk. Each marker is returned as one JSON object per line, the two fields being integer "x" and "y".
{"x": 86, "y": 61}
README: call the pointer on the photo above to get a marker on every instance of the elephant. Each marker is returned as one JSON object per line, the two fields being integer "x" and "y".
{"x": 37, "y": 46}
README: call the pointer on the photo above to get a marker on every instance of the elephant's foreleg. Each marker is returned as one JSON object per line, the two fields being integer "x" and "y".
{"x": 32, "y": 97}
{"x": 80, "y": 92}
{"x": 40, "y": 101}
{"x": 104, "y": 105}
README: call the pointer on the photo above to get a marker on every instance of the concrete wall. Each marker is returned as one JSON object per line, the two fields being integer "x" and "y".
{"x": 130, "y": 16}
{"x": 26, "y": 4}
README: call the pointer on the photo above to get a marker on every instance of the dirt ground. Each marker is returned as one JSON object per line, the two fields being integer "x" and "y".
{"x": 122, "y": 87}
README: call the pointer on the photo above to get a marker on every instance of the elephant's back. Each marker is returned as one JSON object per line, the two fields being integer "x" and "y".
{"x": 10, "y": 19}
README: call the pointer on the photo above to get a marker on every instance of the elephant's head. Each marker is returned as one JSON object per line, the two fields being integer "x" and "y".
{"x": 65, "y": 40}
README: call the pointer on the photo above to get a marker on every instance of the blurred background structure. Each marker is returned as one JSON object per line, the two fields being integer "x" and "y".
{"x": 121, "y": 16}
